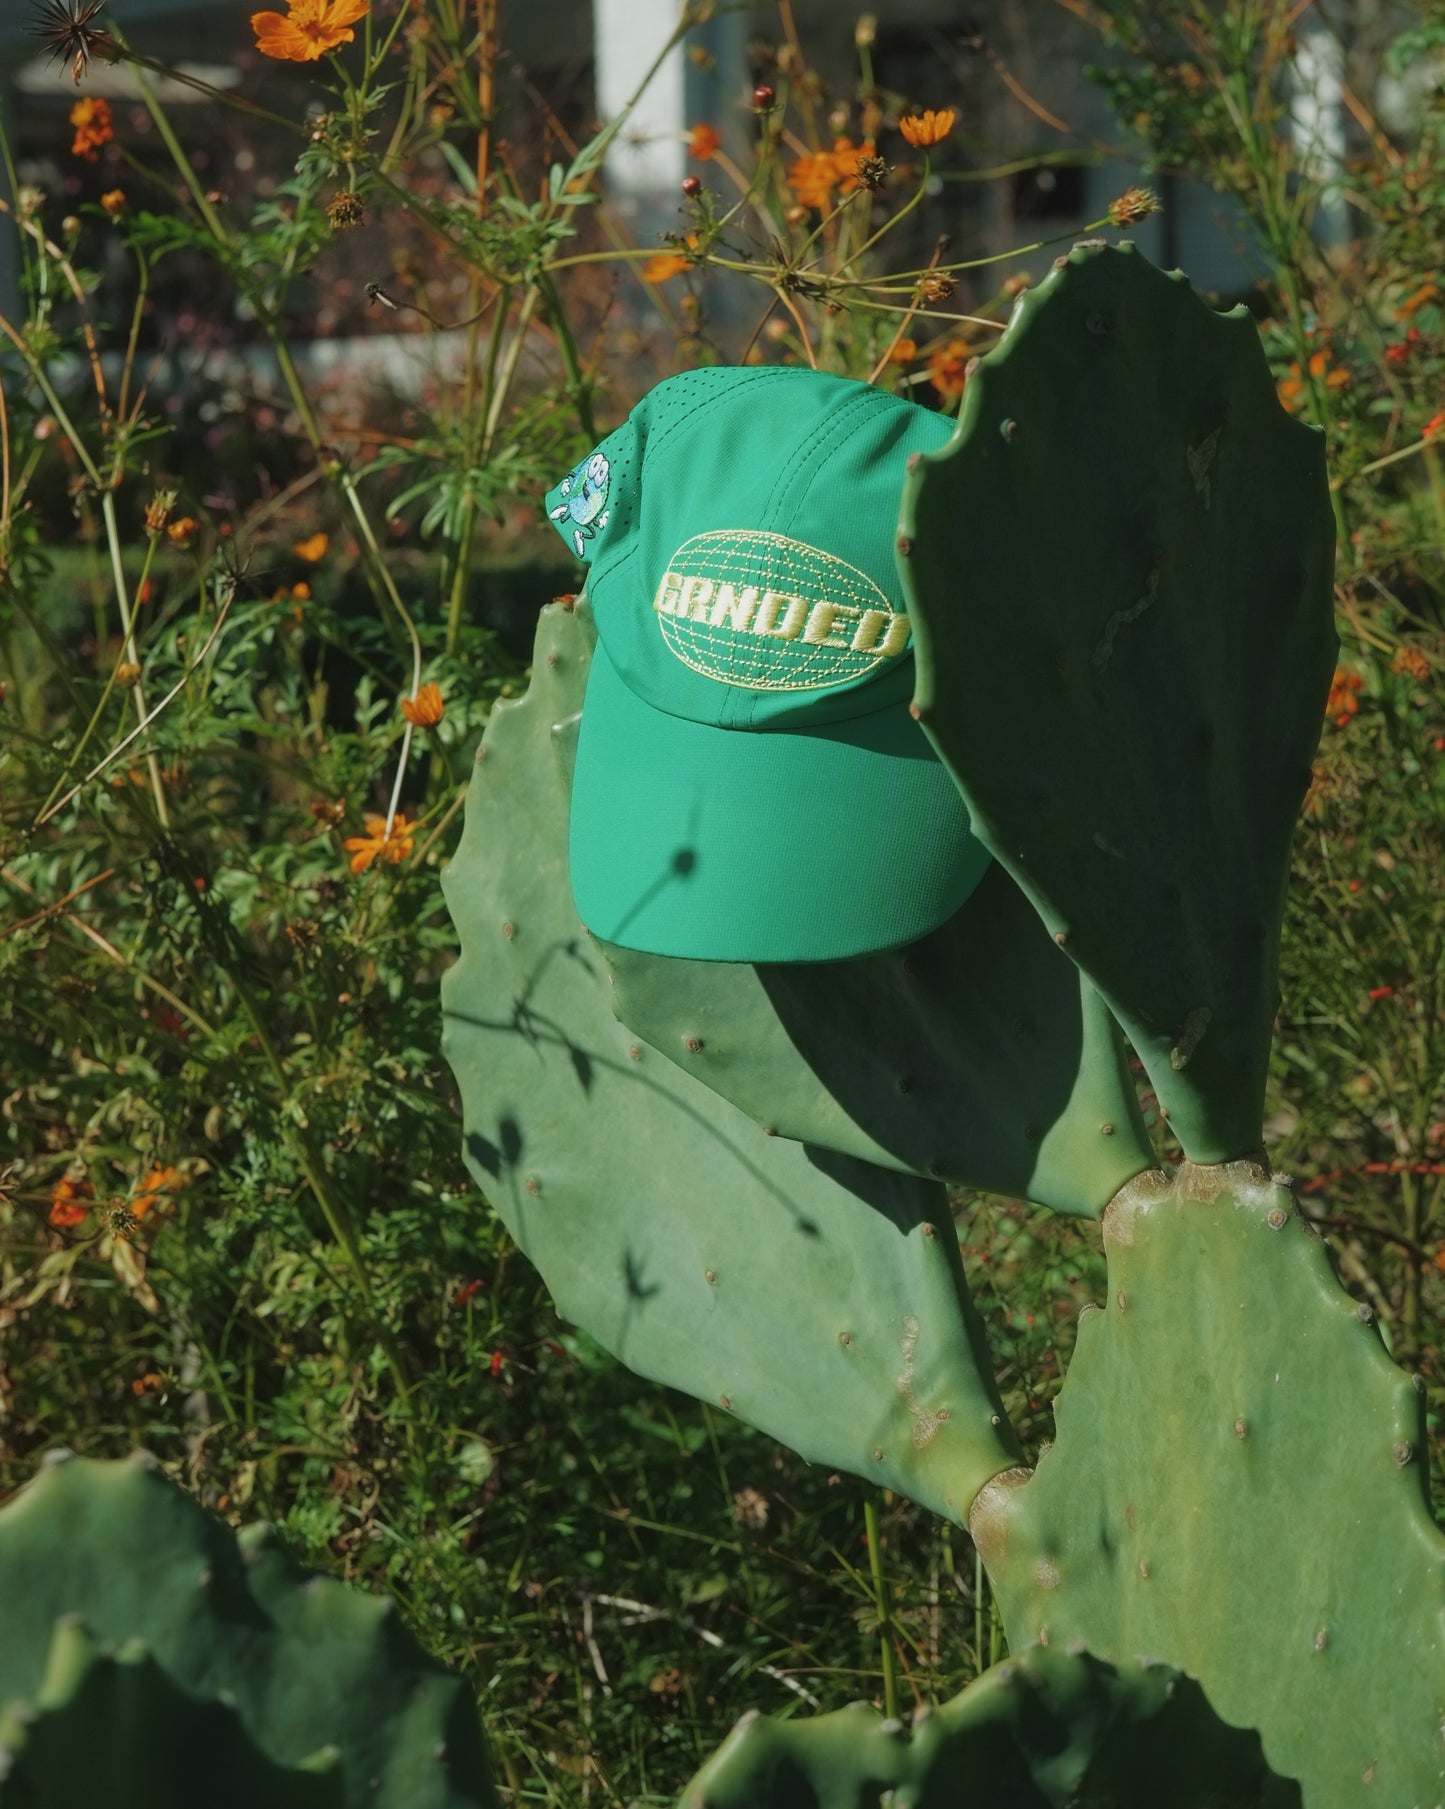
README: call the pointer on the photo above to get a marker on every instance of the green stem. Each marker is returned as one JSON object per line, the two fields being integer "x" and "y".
{"x": 883, "y": 1608}
{"x": 127, "y": 623}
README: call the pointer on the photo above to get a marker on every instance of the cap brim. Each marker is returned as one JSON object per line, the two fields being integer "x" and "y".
{"x": 809, "y": 844}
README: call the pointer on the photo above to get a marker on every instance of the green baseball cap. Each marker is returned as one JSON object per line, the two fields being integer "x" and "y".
{"x": 749, "y": 784}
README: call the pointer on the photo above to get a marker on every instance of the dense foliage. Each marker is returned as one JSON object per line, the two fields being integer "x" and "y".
{"x": 245, "y": 668}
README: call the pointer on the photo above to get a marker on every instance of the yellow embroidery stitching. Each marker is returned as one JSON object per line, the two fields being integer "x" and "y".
{"x": 766, "y": 613}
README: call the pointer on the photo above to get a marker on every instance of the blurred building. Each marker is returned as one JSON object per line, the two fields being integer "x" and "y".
{"x": 1013, "y": 69}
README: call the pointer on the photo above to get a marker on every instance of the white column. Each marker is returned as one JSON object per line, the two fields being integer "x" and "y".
{"x": 647, "y": 160}
{"x": 1317, "y": 121}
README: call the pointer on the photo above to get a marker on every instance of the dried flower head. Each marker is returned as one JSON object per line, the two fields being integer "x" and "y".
{"x": 923, "y": 130}
{"x": 425, "y": 709}
{"x": 159, "y": 511}
{"x": 750, "y": 1509}
{"x": 935, "y": 286}
{"x": 127, "y": 673}
{"x": 872, "y": 172}
{"x": 308, "y": 29}
{"x": 67, "y": 34}
{"x": 345, "y": 210}
{"x": 121, "y": 1222}
{"x": 29, "y": 201}
{"x": 1134, "y": 205}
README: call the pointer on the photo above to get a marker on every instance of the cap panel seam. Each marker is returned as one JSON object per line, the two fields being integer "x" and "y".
{"x": 722, "y": 395}
{"x": 833, "y": 428}
{"x": 827, "y": 439}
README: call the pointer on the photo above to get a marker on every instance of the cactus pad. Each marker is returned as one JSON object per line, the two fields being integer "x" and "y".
{"x": 305, "y": 1661}
{"x": 1237, "y": 1489}
{"x": 1044, "y": 1730}
{"x": 1119, "y": 577}
{"x": 987, "y": 1058}
{"x": 818, "y": 1297}
{"x": 113, "y": 1728}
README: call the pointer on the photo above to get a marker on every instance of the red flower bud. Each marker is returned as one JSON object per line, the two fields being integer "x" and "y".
{"x": 692, "y": 187}
{"x": 764, "y": 98}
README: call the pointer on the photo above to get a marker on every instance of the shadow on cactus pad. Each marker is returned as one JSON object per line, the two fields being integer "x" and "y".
{"x": 978, "y": 1054}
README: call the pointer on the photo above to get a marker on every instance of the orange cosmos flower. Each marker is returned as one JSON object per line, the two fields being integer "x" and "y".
{"x": 313, "y": 548}
{"x": 114, "y": 202}
{"x": 1418, "y": 300}
{"x": 814, "y": 178}
{"x": 94, "y": 126}
{"x": 68, "y": 1202}
{"x": 665, "y": 265}
{"x": 424, "y": 711}
{"x": 364, "y": 849}
{"x": 903, "y": 351}
{"x": 158, "y": 1182}
{"x": 948, "y": 367}
{"x": 924, "y": 129}
{"x": 308, "y": 30}
{"x": 1292, "y": 387}
{"x": 1344, "y": 699}
{"x": 703, "y": 142}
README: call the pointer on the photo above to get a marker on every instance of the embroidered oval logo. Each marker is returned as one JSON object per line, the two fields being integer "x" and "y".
{"x": 766, "y": 613}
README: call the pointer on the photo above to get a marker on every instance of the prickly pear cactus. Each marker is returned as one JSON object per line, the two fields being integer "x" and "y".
{"x": 1237, "y": 1488}
{"x": 1119, "y": 578}
{"x": 111, "y": 1727}
{"x": 988, "y": 1058}
{"x": 1046, "y": 1729}
{"x": 812, "y": 1294}
{"x": 336, "y": 1698}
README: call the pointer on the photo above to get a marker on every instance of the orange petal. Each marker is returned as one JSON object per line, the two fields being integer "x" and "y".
{"x": 280, "y": 38}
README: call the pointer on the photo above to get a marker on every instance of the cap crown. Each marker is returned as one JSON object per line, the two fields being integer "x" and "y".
{"x": 739, "y": 528}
